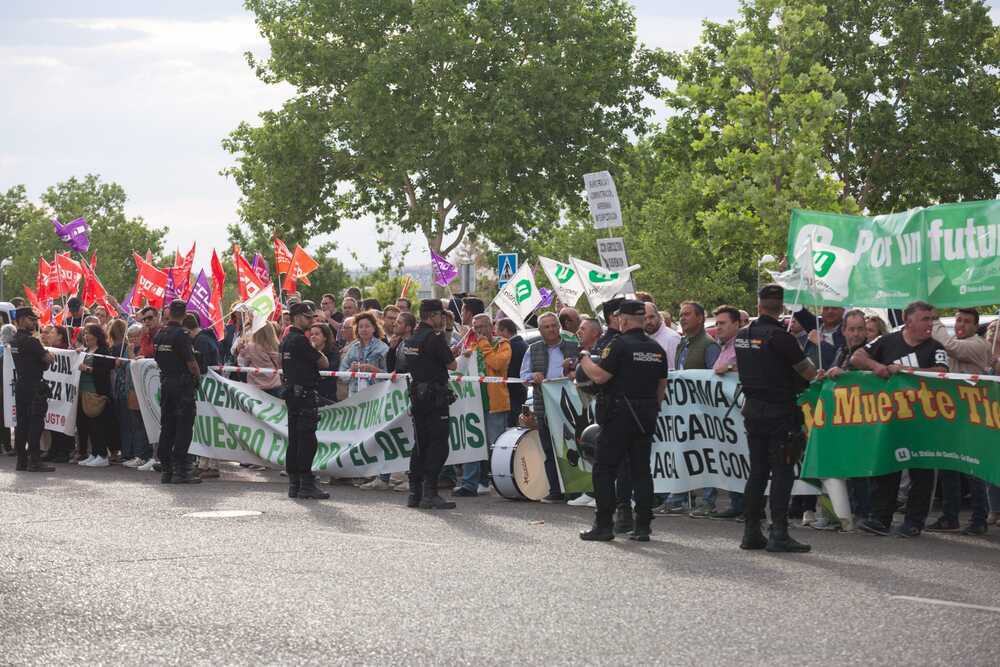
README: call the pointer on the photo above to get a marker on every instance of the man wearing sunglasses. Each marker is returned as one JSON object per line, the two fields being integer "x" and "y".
{"x": 149, "y": 318}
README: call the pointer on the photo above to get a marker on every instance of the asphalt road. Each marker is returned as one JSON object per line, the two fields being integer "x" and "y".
{"x": 101, "y": 566}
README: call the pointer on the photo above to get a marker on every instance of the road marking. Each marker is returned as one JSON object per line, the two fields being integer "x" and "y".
{"x": 946, "y": 603}
{"x": 222, "y": 514}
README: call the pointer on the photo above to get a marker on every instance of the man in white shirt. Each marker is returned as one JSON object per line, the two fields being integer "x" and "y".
{"x": 661, "y": 333}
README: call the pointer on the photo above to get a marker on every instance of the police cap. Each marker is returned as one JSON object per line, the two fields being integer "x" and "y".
{"x": 632, "y": 307}
{"x": 610, "y": 306}
{"x": 25, "y": 312}
{"x": 303, "y": 308}
{"x": 178, "y": 308}
{"x": 430, "y": 306}
{"x": 771, "y": 291}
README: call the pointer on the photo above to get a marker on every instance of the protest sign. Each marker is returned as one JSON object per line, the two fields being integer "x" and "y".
{"x": 368, "y": 434}
{"x": 947, "y": 255}
{"x": 63, "y": 378}
{"x": 602, "y": 197}
{"x": 864, "y": 426}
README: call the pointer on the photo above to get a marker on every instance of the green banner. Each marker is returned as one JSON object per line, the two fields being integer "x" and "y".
{"x": 947, "y": 255}
{"x": 862, "y": 426}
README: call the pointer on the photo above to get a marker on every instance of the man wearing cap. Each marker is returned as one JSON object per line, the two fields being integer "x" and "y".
{"x": 427, "y": 357}
{"x": 773, "y": 371}
{"x": 634, "y": 369}
{"x": 31, "y": 394}
{"x": 301, "y": 363}
{"x": 179, "y": 375}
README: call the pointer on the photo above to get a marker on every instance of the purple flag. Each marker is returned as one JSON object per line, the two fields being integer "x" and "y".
{"x": 73, "y": 234}
{"x": 201, "y": 298}
{"x": 125, "y": 306}
{"x": 171, "y": 292}
{"x": 444, "y": 271}
{"x": 547, "y": 296}
{"x": 260, "y": 268}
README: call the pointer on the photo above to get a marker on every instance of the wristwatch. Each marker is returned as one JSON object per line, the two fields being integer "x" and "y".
{"x": 582, "y": 354}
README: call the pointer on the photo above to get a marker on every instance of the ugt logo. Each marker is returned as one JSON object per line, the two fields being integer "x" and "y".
{"x": 564, "y": 274}
{"x": 823, "y": 261}
{"x": 598, "y": 277}
{"x": 902, "y": 455}
{"x": 522, "y": 290}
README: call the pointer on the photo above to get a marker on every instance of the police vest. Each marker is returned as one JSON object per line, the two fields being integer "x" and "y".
{"x": 764, "y": 374}
{"x": 419, "y": 364}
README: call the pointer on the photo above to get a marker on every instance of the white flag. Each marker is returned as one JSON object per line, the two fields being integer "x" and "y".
{"x": 822, "y": 271}
{"x": 520, "y": 296}
{"x": 565, "y": 280}
{"x": 599, "y": 284}
{"x": 262, "y": 306}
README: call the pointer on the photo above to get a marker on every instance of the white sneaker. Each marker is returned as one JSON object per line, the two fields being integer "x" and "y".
{"x": 133, "y": 463}
{"x": 98, "y": 462}
{"x": 87, "y": 461}
{"x": 582, "y": 501}
{"x": 808, "y": 518}
{"x": 147, "y": 466}
{"x": 457, "y": 488}
{"x": 483, "y": 490}
{"x": 376, "y": 485}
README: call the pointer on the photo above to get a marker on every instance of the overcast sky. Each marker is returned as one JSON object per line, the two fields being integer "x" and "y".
{"x": 141, "y": 92}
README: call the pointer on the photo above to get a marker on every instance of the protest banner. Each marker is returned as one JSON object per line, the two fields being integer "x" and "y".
{"x": 700, "y": 441}
{"x": 368, "y": 434}
{"x": 863, "y": 426}
{"x": 63, "y": 378}
{"x": 946, "y": 255}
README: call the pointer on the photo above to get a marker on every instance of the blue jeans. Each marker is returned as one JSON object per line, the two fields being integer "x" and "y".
{"x": 994, "y": 497}
{"x": 478, "y": 472}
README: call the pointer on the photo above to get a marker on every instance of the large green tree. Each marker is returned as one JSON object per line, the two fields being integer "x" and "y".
{"x": 445, "y": 117}
{"x": 113, "y": 234}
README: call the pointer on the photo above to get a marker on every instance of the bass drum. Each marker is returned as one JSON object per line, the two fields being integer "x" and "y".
{"x": 518, "y": 465}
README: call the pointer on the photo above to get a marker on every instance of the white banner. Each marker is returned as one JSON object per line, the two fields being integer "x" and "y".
{"x": 368, "y": 434}
{"x": 63, "y": 378}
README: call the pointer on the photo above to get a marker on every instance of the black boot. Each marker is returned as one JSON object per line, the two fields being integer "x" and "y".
{"x": 22, "y": 461}
{"x": 623, "y": 520}
{"x": 779, "y": 541}
{"x": 166, "y": 473}
{"x": 431, "y": 500}
{"x": 182, "y": 473}
{"x": 602, "y": 531}
{"x": 308, "y": 488}
{"x": 753, "y": 538}
{"x": 38, "y": 466}
{"x": 416, "y": 492}
{"x": 293, "y": 484}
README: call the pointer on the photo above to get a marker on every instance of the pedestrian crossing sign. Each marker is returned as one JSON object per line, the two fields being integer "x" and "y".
{"x": 506, "y": 267}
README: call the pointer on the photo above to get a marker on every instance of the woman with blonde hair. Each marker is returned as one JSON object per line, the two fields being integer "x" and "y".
{"x": 875, "y": 327}
{"x": 261, "y": 352}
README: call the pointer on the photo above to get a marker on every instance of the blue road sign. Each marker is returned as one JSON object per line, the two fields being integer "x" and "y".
{"x": 506, "y": 267}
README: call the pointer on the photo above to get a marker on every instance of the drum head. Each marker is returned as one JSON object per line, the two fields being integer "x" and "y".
{"x": 529, "y": 467}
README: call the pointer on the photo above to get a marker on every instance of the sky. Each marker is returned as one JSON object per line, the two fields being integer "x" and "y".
{"x": 142, "y": 92}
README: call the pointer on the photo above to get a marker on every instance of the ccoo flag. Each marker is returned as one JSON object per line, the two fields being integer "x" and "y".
{"x": 565, "y": 280}
{"x": 820, "y": 272}
{"x": 599, "y": 284}
{"x": 519, "y": 297}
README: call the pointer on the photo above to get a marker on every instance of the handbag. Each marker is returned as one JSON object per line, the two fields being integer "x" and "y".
{"x": 93, "y": 404}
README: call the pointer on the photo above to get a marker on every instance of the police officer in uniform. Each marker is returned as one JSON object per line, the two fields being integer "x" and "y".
{"x": 300, "y": 366}
{"x": 179, "y": 375}
{"x": 31, "y": 394}
{"x": 427, "y": 358}
{"x": 634, "y": 368}
{"x": 773, "y": 371}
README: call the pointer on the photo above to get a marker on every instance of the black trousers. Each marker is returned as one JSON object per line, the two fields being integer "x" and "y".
{"x": 621, "y": 442}
{"x": 31, "y": 408}
{"x": 918, "y": 503}
{"x": 97, "y": 431}
{"x": 766, "y": 438}
{"x": 431, "y": 450}
{"x": 176, "y": 420}
{"x": 303, "y": 418}
{"x": 623, "y": 485}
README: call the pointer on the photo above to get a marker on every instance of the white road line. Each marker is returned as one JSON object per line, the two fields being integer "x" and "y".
{"x": 946, "y": 603}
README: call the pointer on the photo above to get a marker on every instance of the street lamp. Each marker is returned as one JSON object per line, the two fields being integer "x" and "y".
{"x": 3, "y": 267}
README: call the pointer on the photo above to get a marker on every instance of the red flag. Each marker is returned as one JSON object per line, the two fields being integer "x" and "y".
{"x": 218, "y": 275}
{"x": 282, "y": 256}
{"x": 182, "y": 269}
{"x": 215, "y": 314}
{"x": 150, "y": 284}
{"x": 93, "y": 290}
{"x": 32, "y": 297}
{"x": 249, "y": 282}
{"x": 301, "y": 266}
{"x": 70, "y": 272}
{"x": 60, "y": 318}
{"x": 42, "y": 279}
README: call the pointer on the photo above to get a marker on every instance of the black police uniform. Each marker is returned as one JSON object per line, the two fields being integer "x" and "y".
{"x": 427, "y": 357}
{"x": 31, "y": 399}
{"x": 627, "y": 412}
{"x": 173, "y": 351}
{"x": 766, "y": 355}
{"x": 300, "y": 377}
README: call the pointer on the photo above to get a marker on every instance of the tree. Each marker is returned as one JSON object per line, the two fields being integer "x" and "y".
{"x": 113, "y": 235}
{"x": 443, "y": 116}
{"x": 919, "y": 122}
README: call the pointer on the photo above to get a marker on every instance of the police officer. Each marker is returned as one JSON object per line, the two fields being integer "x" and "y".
{"x": 634, "y": 368}
{"x": 179, "y": 375}
{"x": 427, "y": 358}
{"x": 300, "y": 366}
{"x": 773, "y": 371}
{"x": 31, "y": 393}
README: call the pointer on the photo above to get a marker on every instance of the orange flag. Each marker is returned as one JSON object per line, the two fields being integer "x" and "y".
{"x": 301, "y": 266}
{"x": 282, "y": 256}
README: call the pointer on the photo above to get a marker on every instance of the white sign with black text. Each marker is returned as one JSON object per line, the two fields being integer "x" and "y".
{"x": 605, "y": 209}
